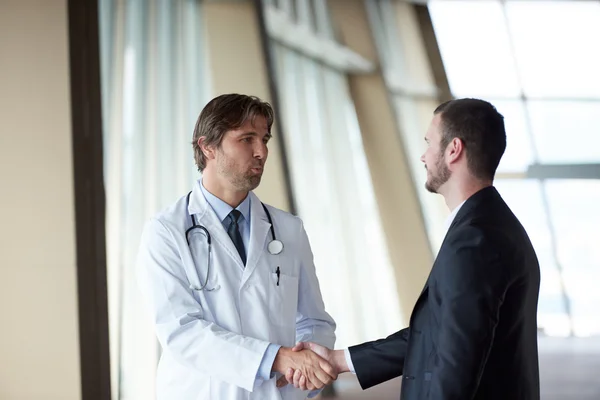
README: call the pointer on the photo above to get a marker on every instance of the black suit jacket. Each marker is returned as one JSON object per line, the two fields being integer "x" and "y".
{"x": 473, "y": 330}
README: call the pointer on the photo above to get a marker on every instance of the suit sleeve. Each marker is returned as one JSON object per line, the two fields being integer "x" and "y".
{"x": 472, "y": 285}
{"x": 381, "y": 360}
{"x": 183, "y": 333}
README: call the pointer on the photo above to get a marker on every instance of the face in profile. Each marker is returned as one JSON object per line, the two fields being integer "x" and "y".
{"x": 438, "y": 172}
{"x": 241, "y": 158}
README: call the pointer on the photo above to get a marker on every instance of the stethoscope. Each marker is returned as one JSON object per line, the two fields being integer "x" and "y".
{"x": 274, "y": 247}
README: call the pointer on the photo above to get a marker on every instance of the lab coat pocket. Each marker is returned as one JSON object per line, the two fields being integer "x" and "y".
{"x": 283, "y": 302}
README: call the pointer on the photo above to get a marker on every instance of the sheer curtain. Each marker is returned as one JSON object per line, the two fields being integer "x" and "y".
{"x": 332, "y": 185}
{"x": 153, "y": 86}
{"x": 411, "y": 85}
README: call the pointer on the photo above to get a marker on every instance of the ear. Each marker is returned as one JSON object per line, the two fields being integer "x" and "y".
{"x": 208, "y": 151}
{"x": 455, "y": 150}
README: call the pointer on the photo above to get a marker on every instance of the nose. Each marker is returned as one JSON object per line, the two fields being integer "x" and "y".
{"x": 423, "y": 158}
{"x": 261, "y": 151}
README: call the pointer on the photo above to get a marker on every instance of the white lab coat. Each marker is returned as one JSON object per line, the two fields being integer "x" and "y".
{"x": 213, "y": 341}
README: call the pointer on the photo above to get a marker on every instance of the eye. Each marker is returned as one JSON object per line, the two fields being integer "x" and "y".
{"x": 266, "y": 140}
{"x": 247, "y": 139}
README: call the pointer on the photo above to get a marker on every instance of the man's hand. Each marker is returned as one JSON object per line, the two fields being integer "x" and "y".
{"x": 296, "y": 377}
{"x": 316, "y": 372}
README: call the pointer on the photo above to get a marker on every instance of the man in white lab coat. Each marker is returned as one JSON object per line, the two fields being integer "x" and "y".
{"x": 228, "y": 301}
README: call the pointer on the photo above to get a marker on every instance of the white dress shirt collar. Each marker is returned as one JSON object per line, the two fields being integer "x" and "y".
{"x": 452, "y": 215}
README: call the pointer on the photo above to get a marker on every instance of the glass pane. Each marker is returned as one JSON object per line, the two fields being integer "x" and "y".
{"x": 304, "y": 14}
{"x": 518, "y": 155}
{"x": 524, "y": 197}
{"x": 323, "y": 19}
{"x": 287, "y": 6}
{"x": 475, "y": 48}
{"x": 566, "y": 131}
{"x": 557, "y": 56}
{"x": 574, "y": 207}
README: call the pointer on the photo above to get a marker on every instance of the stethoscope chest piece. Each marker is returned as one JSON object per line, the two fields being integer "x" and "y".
{"x": 275, "y": 247}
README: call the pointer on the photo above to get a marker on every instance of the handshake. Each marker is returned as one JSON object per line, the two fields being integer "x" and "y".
{"x": 309, "y": 366}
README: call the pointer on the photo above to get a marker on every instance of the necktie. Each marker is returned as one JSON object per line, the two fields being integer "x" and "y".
{"x": 234, "y": 233}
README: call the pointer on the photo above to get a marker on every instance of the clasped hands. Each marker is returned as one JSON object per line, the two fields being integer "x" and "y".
{"x": 308, "y": 366}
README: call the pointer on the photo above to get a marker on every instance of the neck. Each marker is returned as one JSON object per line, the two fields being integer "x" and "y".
{"x": 455, "y": 193}
{"x": 222, "y": 190}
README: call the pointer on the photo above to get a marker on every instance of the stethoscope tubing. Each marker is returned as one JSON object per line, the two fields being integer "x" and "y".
{"x": 196, "y": 225}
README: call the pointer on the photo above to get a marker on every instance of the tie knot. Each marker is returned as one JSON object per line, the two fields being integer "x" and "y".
{"x": 234, "y": 216}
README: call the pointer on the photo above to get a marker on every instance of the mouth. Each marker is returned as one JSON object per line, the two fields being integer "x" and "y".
{"x": 257, "y": 170}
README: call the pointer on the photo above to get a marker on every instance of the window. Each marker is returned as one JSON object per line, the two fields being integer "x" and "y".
{"x": 545, "y": 82}
{"x": 556, "y": 58}
{"x": 475, "y": 47}
{"x": 331, "y": 183}
{"x": 153, "y": 84}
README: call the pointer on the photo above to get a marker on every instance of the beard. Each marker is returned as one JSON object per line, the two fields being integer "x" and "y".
{"x": 437, "y": 177}
{"x": 243, "y": 180}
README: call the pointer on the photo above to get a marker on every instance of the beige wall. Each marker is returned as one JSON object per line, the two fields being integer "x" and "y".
{"x": 236, "y": 65}
{"x": 39, "y": 348}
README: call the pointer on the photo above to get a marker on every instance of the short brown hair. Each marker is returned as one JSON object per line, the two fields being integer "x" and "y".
{"x": 480, "y": 127}
{"x": 225, "y": 113}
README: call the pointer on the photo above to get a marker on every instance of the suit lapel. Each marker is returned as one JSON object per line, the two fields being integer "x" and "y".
{"x": 463, "y": 214}
{"x": 436, "y": 258}
{"x": 452, "y": 225}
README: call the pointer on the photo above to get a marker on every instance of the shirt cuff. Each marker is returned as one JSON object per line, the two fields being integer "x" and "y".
{"x": 266, "y": 365}
{"x": 349, "y": 361}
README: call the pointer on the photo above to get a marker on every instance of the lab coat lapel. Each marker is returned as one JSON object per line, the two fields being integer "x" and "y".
{"x": 259, "y": 228}
{"x": 206, "y": 216}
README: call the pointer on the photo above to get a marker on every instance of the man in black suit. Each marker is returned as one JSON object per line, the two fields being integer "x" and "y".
{"x": 473, "y": 330}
